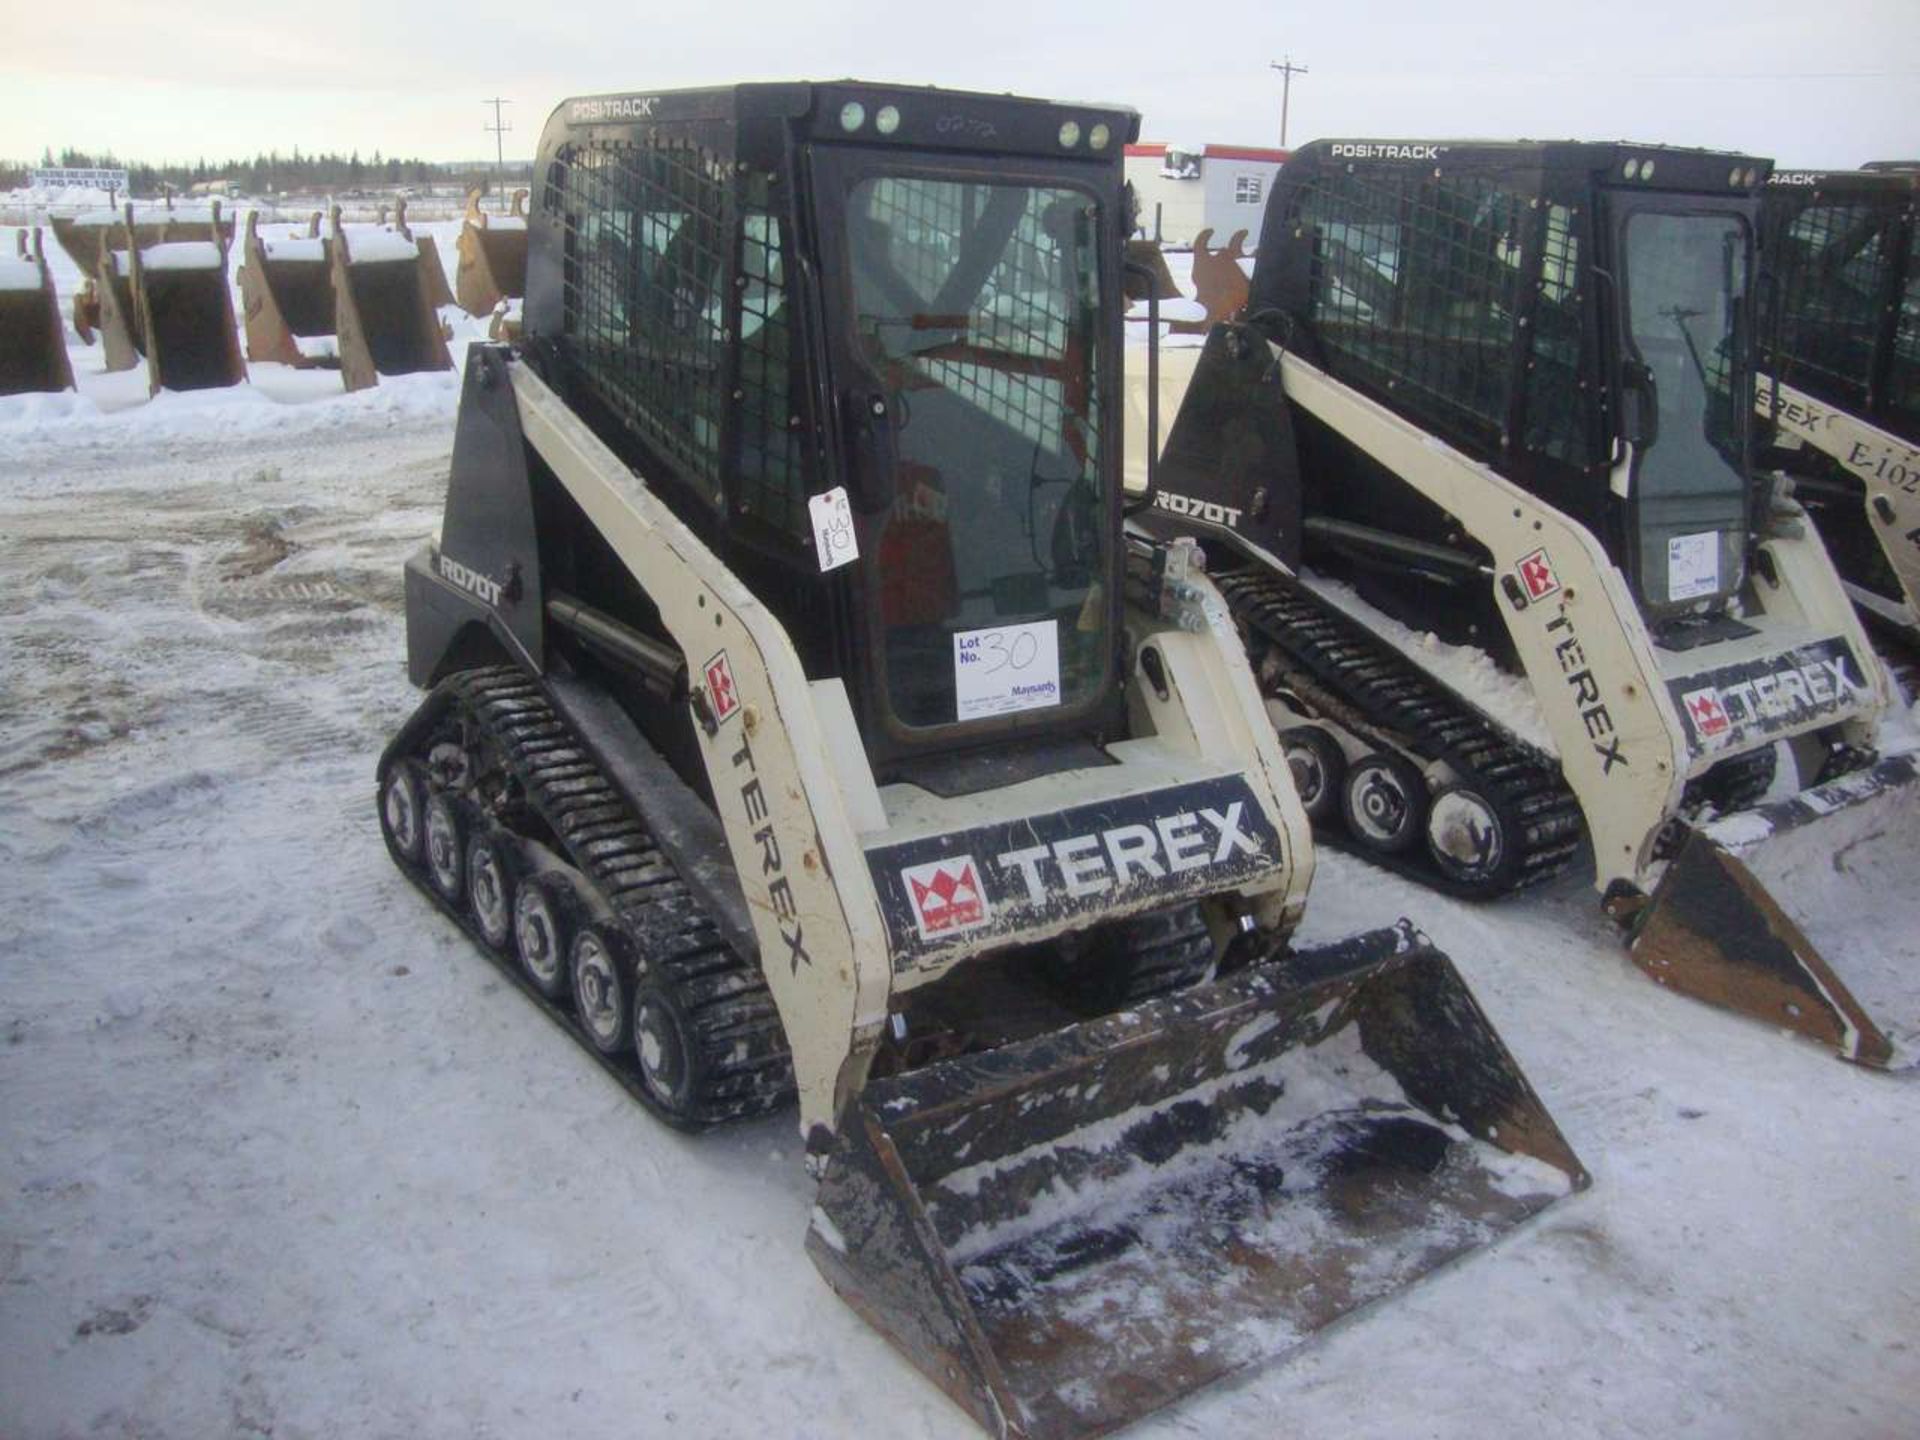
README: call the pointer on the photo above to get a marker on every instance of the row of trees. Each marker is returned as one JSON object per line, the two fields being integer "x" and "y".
{"x": 270, "y": 172}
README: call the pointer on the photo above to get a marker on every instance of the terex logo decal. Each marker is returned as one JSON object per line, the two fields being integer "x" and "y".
{"x": 1708, "y": 715}
{"x": 1594, "y": 715}
{"x": 1536, "y": 573}
{"x": 773, "y": 865}
{"x": 1002, "y": 879}
{"x": 1767, "y": 696}
{"x": 722, "y": 698}
{"x": 1884, "y": 458}
{"x": 947, "y": 896}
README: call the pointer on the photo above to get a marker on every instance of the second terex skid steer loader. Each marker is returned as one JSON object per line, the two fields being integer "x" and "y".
{"x": 1505, "y": 393}
{"x": 800, "y": 720}
{"x": 1840, "y": 377}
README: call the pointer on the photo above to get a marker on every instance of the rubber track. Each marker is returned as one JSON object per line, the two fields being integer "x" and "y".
{"x": 736, "y": 1028}
{"x": 1406, "y": 707}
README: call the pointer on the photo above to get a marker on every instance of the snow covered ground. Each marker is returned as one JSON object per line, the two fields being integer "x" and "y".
{"x": 279, "y": 1155}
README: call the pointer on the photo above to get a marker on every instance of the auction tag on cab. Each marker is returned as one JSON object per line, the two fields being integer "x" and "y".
{"x": 832, "y": 516}
{"x": 1006, "y": 668}
{"x": 1693, "y": 565}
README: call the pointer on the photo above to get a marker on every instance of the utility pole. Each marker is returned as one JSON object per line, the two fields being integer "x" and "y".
{"x": 500, "y": 128}
{"x": 1287, "y": 71}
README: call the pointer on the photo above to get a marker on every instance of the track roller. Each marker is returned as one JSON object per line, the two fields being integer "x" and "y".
{"x": 603, "y": 987}
{"x": 545, "y": 915}
{"x": 1384, "y": 802}
{"x": 446, "y": 833}
{"x": 492, "y": 868}
{"x": 1467, "y": 840}
{"x": 1319, "y": 769}
{"x": 403, "y": 799}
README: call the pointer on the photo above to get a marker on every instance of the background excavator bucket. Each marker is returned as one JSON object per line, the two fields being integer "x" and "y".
{"x": 1158, "y": 282}
{"x": 286, "y": 294}
{"x": 86, "y": 238}
{"x": 1804, "y": 914}
{"x": 432, "y": 271}
{"x": 384, "y": 307}
{"x": 121, "y": 335}
{"x": 170, "y": 303}
{"x": 1219, "y": 283}
{"x": 493, "y": 257}
{"x": 33, "y": 342}
{"x": 1070, "y": 1232}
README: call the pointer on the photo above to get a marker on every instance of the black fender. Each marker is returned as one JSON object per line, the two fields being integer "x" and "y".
{"x": 486, "y": 570}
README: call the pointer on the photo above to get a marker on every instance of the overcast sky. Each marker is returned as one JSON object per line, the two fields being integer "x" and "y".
{"x": 1808, "y": 82}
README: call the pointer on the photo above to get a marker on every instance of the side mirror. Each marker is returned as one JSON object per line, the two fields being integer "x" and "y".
{"x": 1639, "y": 405}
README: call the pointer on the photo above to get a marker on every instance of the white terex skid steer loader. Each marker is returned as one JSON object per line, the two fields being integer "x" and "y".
{"x": 800, "y": 720}
{"x": 1505, "y": 393}
{"x": 1840, "y": 377}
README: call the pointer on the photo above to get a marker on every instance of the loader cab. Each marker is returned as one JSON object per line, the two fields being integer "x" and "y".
{"x": 1681, "y": 260}
{"x": 1840, "y": 252}
{"x": 1578, "y": 317}
{"x": 866, "y": 341}
{"x": 1840, "y": 259}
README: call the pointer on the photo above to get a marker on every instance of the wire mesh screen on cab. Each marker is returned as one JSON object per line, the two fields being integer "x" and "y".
{"x": 1833, "y": 267}
{"x": 654, "y": 236}
{"x": 1418, "y": 285}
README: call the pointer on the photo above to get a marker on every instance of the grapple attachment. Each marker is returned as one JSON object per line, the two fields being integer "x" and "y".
{"x": 1070, "y": 1232}
{"x": 1803, "y": 913}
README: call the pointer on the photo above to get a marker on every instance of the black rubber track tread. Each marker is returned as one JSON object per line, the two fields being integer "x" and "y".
{"x": 735, "y": 1025}
{"x": 1392, "y": 695}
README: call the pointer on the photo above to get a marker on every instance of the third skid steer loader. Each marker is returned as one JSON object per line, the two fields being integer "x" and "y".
{"x": 1504, "y": 392}
{"x": 1840, "y": 379}
{"x": 800, "y": 720}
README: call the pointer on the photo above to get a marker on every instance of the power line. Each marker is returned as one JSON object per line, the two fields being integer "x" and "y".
{"x": 499, "y": 129}
{"x": 1287, "y": 70}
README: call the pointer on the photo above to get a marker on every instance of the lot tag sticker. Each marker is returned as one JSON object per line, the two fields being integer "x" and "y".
{"x": 1693, "y": 565}
{"x": 832, "y": 516}
{"x": 1006, "y": 668}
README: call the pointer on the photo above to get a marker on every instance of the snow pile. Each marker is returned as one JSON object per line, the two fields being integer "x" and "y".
{"x": 300, "y": 248}
{"x": 182, "y": 255}
{"x": 54, "y": 197}
{"x": 1467, "y": 670}
{"x": 374, "y": 246}
{"x": 278, "y": 403}
{"x": 18, "y": 274}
